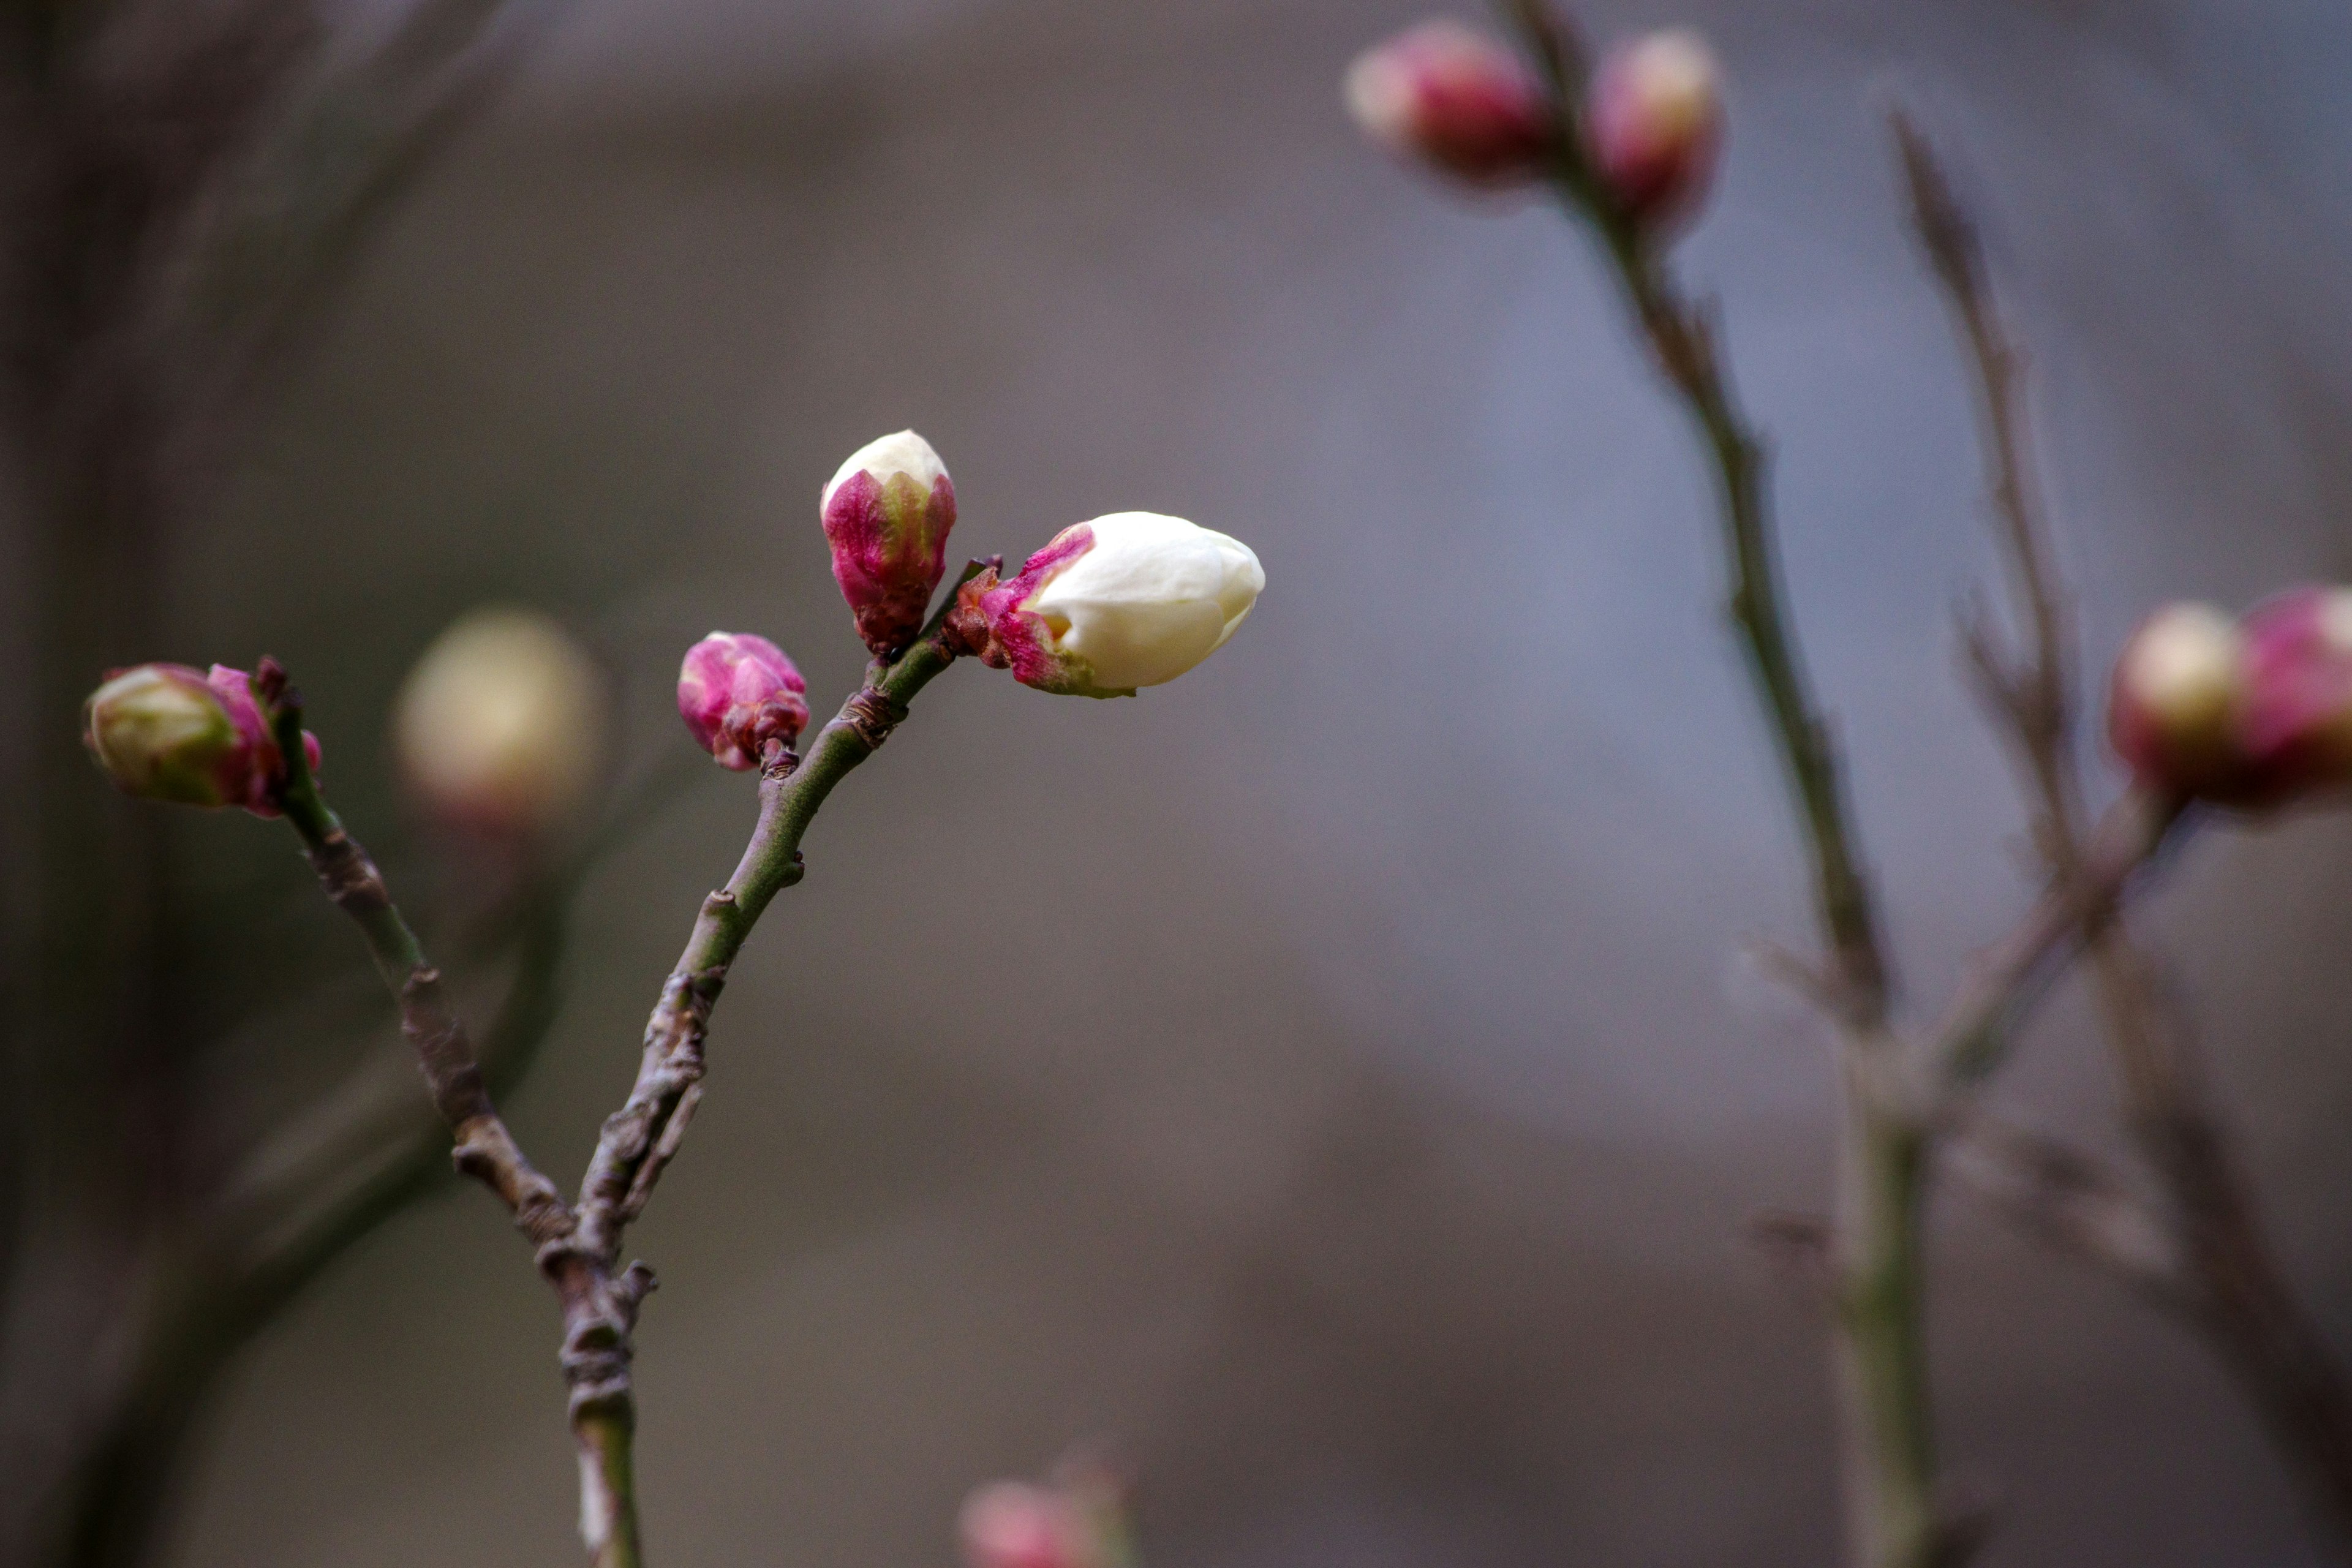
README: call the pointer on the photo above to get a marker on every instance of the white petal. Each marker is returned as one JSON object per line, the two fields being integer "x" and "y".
{"x": 902, "y": 452}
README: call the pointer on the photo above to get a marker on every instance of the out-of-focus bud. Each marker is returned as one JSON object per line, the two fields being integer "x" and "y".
{"x": 887, "y": 515}
{"x": 169, "y": 733}
{"x": 1010, "y": 1524}
{"x": 1128, "y": 600}
{"x": 2297, "y": 718}
{"x": 1656, "y": 124}
{"x": 2177, "y": 700}
{"x": 1457, "y": 100}
{"x": 737, "y": 692}
{"x": 1082, "y": 1519}
{"x": 500, "y": 727}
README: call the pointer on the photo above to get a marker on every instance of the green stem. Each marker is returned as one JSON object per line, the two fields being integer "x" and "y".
{"x": 1890, "y": 1437}
{"x": 1884, "y": 1153}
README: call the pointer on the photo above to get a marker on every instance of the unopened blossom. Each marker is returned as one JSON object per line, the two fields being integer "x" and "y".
{"x": 737, "y": 692}
{"x": 1455, "y": 98}
{"x": 1655, "y": 125}
{"x": 2177, "y": 702}
{"x": 1129, "y": 600}
{"x": 1010, "y": 1524}
{"x": 887, "y": 515}
{"x": 501, "y": 726}
{"x": 2296, "y": 722}
{"x": 170, "y": 732}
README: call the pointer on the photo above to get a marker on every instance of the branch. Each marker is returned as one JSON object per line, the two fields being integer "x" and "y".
{"x": 641, "y": 1137}
{"x": 2245, "y": 1305}
{"x": 2009, "y": 978}
{"x": 2074, "y": 1202}
{"x": 1889, "y": 1429}
{"x": 485, "y": 1149}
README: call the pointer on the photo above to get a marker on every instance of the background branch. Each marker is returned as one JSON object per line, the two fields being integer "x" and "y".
{"x": 1895, "y": 1517}
{"x": 2234, "y": 1291}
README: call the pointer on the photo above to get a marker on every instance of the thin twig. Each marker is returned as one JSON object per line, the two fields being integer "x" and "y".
{"x": 1896, "y": 1518}
{"x": 579, "y": 1246}
{"x": 2073, "y": 1201}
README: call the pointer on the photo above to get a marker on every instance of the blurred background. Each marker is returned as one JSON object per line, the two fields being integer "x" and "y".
{"x": 1332, "y": 1078}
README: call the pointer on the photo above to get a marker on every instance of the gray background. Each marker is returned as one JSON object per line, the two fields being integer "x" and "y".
{"x": 1330, "y": 1077}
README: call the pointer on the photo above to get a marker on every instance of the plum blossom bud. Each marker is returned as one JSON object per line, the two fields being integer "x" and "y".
{"x": 887, "y": 515}
{"x": 2297, "y": 722}
{"x": 737, "y": 692}
{"x": 500, "y": 727}
{"x": 169, "y": 733}
{"x": 1457, "y": 100}
{"x": 1656, "y": 124}
{"x": 1011, "y": 1524}
{"x": 2177, "y": 700}
{"x": 1128, "y": 600}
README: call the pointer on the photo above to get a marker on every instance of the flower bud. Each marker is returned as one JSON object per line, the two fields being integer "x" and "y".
{"x": 500, "y": 727}
{"x": 2297, "y": 717}
{"x": 1010, "y": 1524}
{"x": 2176, "y": 702}
{"x": 1128, "y": 600}
{"x": 1457, "y": 100}
{"x": 168, "y": 732}
{"x": 887, "y": 515}
{"x": 1656, "y": 124}
{"x": 737, "y": 692}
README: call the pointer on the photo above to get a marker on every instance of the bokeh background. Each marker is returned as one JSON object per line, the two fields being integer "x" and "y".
{"x": 1332, "y": 1078}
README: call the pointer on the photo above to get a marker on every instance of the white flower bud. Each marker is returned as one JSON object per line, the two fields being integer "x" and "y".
{"x": 502, "y": 725}
{"x": 1129, "y": 600}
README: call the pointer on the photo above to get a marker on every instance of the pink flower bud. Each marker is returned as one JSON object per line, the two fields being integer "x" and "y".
{"x": 500, "y": 727}
{"x": 887, "y": 515}
{"x": 2177, "y": 702}
{"x": 2297, "y": 727}
{"x": 168, "y": 732}
{"x": 1013, "y": 1525}
{"x": 737, "y": 692}
{"x": 1656, "y": 125}
{"x": 1457, "y": 100}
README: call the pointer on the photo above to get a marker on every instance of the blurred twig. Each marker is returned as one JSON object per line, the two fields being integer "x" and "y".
{"x": 1884, "y": 1147}
{"x": 2231, "y": 1288}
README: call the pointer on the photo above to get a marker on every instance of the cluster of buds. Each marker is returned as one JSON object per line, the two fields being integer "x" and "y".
{"x": 1129, "y": 600}
{"x": 2254, "y": 713}
{"x": 1454, "y": 98}
{"x": 500, "y": 728}
{"x": 1079, "y": 1521}
{"x": 170, "y": 732}
{"x": 737, "y": 692}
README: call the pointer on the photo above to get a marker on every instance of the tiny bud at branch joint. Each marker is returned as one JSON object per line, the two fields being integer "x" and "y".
{"x": 737, "y": 692}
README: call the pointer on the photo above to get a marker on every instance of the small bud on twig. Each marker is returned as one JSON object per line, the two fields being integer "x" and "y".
{"x": 2298, "y": 711}
{"x": 737, "y": 692}
{"x": 1129, "y": 600}
{"x": 1656, "y": 125}
{"x": 2175, "y": 700}
{"x": 500, "y": 727}
{"x": 2255, "y": 714}
{"x": 1457, "y": 100}
{"x": 170, "y": 732}
{"x": 887, "y": 515}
